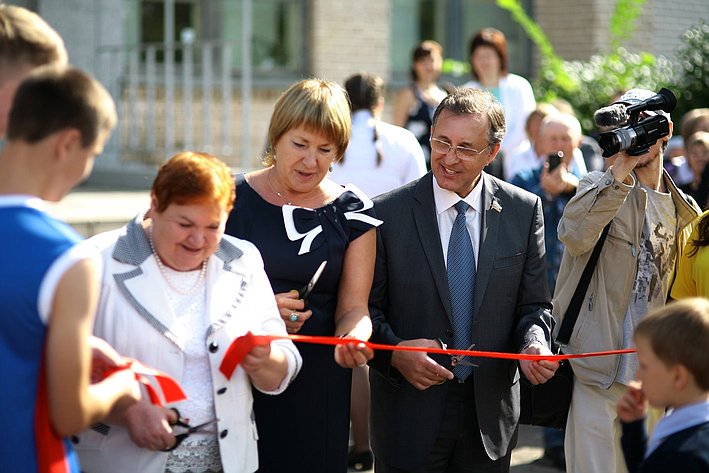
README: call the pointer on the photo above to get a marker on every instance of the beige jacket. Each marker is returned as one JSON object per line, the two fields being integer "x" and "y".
{"x": 599, "y": 327}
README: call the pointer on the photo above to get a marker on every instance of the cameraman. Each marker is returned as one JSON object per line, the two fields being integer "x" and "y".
{"x": 649, "y": 223}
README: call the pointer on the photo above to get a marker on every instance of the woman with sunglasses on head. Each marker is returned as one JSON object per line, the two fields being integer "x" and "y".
{"x": 176, "y": 292}
{"x": 298, "y": 218}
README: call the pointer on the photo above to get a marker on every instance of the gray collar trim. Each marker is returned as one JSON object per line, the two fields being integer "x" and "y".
{"x": 133, "y": 247}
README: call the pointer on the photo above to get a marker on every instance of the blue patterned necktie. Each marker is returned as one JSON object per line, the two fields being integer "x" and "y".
{"x": 461, "y": 281}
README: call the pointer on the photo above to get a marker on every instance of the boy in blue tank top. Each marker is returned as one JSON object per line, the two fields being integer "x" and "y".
{"x": 59, "y": 121}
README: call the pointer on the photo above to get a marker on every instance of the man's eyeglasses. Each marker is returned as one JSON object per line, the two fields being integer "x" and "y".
{"x": 463, "y": 153}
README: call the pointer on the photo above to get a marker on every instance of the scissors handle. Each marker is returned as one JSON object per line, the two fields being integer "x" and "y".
{"x": 180, "y": 420}
{"x": 179, "y": 438}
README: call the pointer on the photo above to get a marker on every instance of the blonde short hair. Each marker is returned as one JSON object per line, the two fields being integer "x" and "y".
{"x": 317, "y": 105}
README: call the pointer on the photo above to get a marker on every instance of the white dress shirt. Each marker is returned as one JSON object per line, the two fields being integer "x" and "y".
{"x": 446, "y": 214}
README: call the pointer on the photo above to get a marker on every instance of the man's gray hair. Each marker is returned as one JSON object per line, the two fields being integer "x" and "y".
{"x": 467, "y": 101}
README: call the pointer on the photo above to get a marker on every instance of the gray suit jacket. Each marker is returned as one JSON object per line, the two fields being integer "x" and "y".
{"x": 410, "y": 299}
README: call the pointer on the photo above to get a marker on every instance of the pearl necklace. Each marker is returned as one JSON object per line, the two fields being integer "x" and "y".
{"x": 168, "y": 278}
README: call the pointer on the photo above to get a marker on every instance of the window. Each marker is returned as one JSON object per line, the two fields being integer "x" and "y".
{"x": 152, "y": 24}
{"x": 278, "y": 30}
{"x": 452, "y": 23}
{"x": 278, "y": 34}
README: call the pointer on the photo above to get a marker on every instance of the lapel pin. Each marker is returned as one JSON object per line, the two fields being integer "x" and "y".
{"x": 496, "y": 206}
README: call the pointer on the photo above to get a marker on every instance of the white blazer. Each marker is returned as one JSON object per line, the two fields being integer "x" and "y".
{"x": 135, "y": 318}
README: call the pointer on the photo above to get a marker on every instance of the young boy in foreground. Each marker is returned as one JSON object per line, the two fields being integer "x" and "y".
{"x": 59, "y": 121}
{"x": 673, "y": 373}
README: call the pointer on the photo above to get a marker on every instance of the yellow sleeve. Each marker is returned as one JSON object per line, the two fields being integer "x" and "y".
{"x": 685, "y": 285}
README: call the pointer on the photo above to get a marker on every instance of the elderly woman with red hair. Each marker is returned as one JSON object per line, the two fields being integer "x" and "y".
{"x": 176, "y": 292}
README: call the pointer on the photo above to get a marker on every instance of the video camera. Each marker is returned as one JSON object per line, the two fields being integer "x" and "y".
{"x": 638, "y": 134}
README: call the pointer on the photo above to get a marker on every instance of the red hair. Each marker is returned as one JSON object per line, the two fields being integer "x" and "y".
{"x": 193, "y": 178}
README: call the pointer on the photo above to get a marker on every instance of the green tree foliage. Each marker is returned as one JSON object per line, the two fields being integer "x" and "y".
{"x": 601, "y": 78}
{"x": 622, "y": 24}
{"x": 691, "y": 82}
{"x": 589, "y": 85}
{"x": 553, "y": 64}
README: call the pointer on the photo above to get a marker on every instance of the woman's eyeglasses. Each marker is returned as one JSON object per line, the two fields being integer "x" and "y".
{"x": 463, "y": 153}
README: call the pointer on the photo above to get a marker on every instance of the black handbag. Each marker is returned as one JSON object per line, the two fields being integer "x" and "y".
{"x": 548, "y": 404}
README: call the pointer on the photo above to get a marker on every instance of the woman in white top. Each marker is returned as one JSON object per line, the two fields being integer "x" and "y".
{"x": 489, "y": 66}
{"x": 176, "y": 292}
{"x": 380, "y": 156}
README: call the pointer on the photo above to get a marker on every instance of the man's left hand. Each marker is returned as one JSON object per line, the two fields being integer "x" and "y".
{"x": 538, "y": 372}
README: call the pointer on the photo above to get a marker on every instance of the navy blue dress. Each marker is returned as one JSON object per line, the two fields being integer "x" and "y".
{"x": 306, "y": 428}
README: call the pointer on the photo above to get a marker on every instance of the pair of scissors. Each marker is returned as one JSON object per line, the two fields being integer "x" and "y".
{"x": 181, "y": 422}
{"x": 308, "y": 288}
{"x": 458, "y": 359}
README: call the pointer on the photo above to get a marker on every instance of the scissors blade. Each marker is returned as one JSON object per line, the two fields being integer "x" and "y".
{"x": 202, "y": 425}
{"x": 307, "y": 289}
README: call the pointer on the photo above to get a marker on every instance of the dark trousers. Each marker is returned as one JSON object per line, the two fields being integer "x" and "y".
{"x": 458, "y": 447}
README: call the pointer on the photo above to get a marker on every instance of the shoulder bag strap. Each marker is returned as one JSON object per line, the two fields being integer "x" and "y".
{"x": 572, "y": 312}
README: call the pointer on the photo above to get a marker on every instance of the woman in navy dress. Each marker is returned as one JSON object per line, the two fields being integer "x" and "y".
{"x": 298, "y": 218}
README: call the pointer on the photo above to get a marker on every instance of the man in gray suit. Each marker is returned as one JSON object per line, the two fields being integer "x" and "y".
{"x": 428, "y": 415}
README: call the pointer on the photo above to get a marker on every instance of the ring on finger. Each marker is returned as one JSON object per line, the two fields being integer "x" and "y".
{"x": 293, "y": 317}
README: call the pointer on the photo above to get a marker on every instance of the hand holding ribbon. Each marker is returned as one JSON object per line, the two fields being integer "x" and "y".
{"x": 161, "y": 388}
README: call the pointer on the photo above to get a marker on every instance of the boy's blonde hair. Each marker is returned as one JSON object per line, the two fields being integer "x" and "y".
{"x": 679, "y": 335}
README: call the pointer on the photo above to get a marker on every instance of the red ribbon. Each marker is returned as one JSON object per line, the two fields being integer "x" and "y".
{"x": 161, "y": 388}
{"x": 241, "y": 346}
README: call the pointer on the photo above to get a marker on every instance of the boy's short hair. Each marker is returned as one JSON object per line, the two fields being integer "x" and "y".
{"x": 26, "y": 39}
{"x": 55, "y": 98}
{"x": 679, "y": 334}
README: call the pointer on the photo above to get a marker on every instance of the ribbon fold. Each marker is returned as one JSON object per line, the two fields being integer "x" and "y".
{"x": 161, "y": 388}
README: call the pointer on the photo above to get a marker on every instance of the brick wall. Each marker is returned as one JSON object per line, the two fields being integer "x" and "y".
{"x": 579, "y": 29}
{"x": 349, "y": 36}
{"x": 671, "y": 22}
